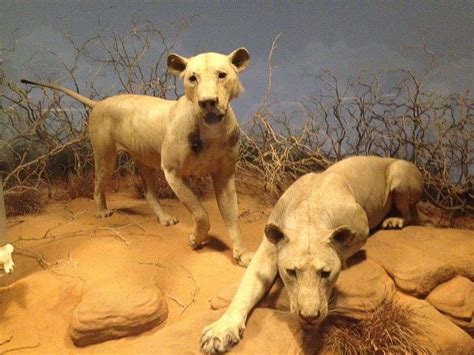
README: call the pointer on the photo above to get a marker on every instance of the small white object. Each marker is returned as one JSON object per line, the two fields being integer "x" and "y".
{"x": 6, "y": 260}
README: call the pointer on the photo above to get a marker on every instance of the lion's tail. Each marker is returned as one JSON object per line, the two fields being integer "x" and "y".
{"x": 82, "y": 99}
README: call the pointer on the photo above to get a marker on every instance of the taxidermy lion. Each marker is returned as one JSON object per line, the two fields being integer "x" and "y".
{"x": 317, "y": 224}
{"x": 196, "y": 135}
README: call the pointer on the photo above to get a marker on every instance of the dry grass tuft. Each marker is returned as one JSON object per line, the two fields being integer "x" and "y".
{"x": 390, "y": 329}
{"x": 81, "y": 185}
{"x": 22, "y": 203}
{"x": 163, "y": 190}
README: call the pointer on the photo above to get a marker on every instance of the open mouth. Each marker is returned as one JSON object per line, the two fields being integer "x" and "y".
{"x": 212, "y": 118}
{"x": 309, "y": 326}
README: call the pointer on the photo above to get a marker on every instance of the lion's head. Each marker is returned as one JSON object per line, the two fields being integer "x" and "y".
{"x": 210, "y": 81}
{"x": 309, "y": 261}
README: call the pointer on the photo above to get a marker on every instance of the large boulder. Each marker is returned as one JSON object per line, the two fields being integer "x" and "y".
{"x": 455, "y": 299}
{"x": 420, "y": 258}
{"x": 361, "y": 288}
{"x": 114, "y": 310}
{"x": 437, "y": 333}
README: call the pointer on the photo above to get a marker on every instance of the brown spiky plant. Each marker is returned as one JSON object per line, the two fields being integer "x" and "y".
{"x": 389, "y": 329}
{"x": 23, "y": 202}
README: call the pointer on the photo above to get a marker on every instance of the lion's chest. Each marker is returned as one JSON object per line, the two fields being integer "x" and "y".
{"x": 207, "y": 154}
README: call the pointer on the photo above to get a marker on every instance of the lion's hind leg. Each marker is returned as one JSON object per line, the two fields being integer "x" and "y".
{"x": 406, "y": 186}
{"x": 150, "y": 187}
{"x": 104, "y": 160}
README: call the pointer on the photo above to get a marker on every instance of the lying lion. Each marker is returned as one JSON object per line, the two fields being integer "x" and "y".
{"x": 197, "y": 135}
{"x": 318, "y": 223}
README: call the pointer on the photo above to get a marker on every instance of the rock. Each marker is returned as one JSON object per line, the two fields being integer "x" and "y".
{"x": 455, "y": 299}
{"x": 421, "y": 258}
{"x": 360, "y": 288}
{"x": 114, "y": 310}
{"x": 437, "y": 333}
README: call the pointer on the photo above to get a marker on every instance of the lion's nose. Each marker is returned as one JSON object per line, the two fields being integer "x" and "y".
{"x": 309, "y": 319}
{"x": 208, "y": 104}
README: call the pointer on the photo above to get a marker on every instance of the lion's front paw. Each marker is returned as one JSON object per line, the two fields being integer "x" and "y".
{"x": 195, "y": 240}
{"x": 168, "y": 220}
{"x": 242, "y": 257}
{"x": 220, "y": 336}
{"x": 393, "y": 223}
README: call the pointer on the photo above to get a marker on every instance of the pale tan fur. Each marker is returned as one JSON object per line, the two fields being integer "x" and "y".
{"x": 318, "y": 223}
{"x": 196, "y": 135}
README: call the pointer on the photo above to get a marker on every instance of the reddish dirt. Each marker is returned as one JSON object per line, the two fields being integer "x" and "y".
{"x": 65, "y": 250}
{"x": 62, "y": 249}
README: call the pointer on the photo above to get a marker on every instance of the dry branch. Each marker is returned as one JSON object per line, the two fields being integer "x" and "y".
{"x": 194, "y": 293}
{"x": 43, "y": 136}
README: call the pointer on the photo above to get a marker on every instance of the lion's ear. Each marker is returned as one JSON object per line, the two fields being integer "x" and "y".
{"x": 177, "y": 64}
{"x": 273, "y": 233}
{"x": 240, "y": 59}
{"x": 345, "y": 240}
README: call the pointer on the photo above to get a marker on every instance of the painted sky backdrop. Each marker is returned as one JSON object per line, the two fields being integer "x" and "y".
{"x": 346, "y": 37}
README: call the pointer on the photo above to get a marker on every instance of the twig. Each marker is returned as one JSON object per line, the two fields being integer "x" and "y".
{"x": 270, "y": 56}
{"x": 84, "y": 232}
{"x": 157, "y": 264}
{"x": 20, "y": 348}
{"x": 40, "y": 259}
{"x": 72, "y": 213}
{"x": 193, "y": 293}
{"x": 117, "y": 233}
{"x": 6, "y": 341}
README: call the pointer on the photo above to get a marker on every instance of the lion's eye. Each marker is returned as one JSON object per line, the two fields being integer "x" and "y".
{"x": 291, "y": 273}
{"x": 222, "y": 75}
{"x": 193, "y": 78}
{"x": 325, "y": 274}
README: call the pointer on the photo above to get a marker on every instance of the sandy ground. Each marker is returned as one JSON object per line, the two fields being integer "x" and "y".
{"x": 65, "y": 248}
{"x": 64, "y": 252}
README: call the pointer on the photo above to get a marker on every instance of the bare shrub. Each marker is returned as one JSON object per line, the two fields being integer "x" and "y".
{"x": 80, "y": 185}
{"x": 359, "y": 117}
{"x": 390, "y": 329}
{"x": 43, "y": 134}
{"x": 23, "y": 202}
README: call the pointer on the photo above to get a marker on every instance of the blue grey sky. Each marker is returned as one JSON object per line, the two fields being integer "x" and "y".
{"x": 346, "y": 37}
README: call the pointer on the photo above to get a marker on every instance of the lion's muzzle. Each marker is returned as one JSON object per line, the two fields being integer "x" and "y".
{"x": 212, "y": 118}
{"x": 309, "y": 321}
{"x": 212, "y": 114}
{"x": 208, "y": 104}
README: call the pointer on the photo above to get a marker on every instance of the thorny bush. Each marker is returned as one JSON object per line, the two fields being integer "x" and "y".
{"x": 43, "y": 134}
